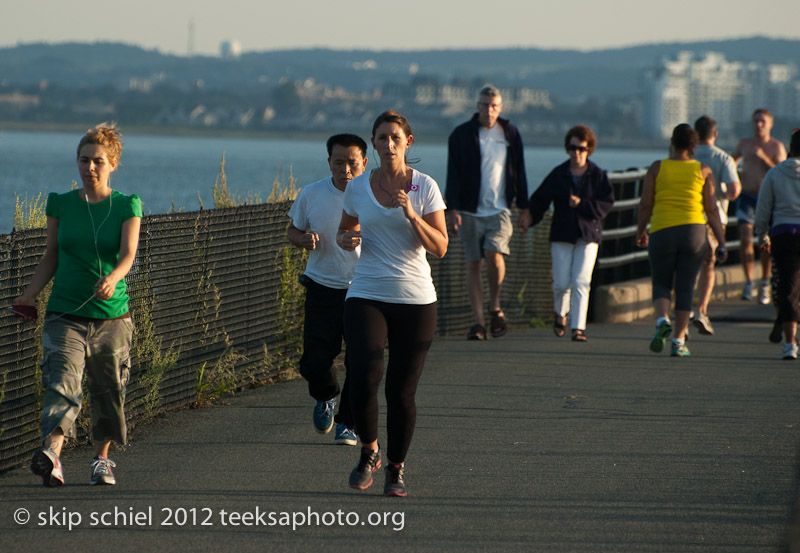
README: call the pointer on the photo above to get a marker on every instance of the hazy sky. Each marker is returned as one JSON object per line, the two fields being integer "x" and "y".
{"x": 400, "y": 25}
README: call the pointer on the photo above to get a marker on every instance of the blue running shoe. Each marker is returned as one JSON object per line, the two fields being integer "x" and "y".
{"x": 323, "y": 415}
{"x": 345, "y": 435}
{"x": 663, "y": 330}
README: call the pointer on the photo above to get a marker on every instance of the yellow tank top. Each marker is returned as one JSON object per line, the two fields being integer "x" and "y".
{"x": 679, "y": 195}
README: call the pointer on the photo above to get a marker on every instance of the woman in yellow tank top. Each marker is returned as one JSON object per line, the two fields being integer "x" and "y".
{"x": 677, "y": 196}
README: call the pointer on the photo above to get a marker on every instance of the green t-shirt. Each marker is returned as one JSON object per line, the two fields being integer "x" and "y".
{"x": 78, "y": 270}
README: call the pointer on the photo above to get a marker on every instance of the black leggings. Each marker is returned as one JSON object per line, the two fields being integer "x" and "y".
{"x": 786, "y": 254}
{"x": 676, "y": 256}
{"x": 409, "y": 329}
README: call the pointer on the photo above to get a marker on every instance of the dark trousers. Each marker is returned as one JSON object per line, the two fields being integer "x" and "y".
{"x": 322, "y": 342}
{"x": 409, "y": 330}
{"x": 786, "y": 254}
{"x": 676, "y": 257}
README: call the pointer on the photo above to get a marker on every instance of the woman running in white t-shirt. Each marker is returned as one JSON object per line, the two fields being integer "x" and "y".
{"x": 397, "y": 215}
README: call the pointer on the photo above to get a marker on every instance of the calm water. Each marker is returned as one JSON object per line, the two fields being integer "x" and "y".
{"x": 167, "y": 170}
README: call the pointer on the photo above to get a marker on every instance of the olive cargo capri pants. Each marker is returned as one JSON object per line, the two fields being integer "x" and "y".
{"x": 102, "y": 348}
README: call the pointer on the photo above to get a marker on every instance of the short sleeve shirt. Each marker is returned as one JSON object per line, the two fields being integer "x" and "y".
{"x": 89, "y": 237}
{"x": 393, "y": 267}
{"x": 318, "y": 207}
{"x": 724, "y": 170}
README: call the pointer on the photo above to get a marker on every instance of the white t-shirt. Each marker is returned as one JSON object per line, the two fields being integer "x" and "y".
{"x": 318, "y": 207}
{"x": 492, "y": 199}
{"x": 393, "y": 267}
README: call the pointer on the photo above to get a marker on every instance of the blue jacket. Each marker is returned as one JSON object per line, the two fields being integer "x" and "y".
{"x": 464, "y": 167}
{"x": 584, "y": 221}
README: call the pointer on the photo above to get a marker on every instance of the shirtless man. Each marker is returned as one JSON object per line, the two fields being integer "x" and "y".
{"x": 758, "y": 155}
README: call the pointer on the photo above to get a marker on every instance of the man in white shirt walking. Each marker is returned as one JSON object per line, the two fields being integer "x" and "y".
{"x": 727, "y": 189}
{"x": 485, "y": 174}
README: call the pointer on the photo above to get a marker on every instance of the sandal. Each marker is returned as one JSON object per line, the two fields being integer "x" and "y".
{"x": 498, "y": 325}
{"x": 477, "y": 332}
{"x": 559, "y": 325}
{"x": 578, "y": 335}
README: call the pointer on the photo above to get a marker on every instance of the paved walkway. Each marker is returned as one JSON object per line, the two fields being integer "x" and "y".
{"x": 525, "y": 443}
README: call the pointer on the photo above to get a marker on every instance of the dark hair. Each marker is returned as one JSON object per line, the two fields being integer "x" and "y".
{"x": 106, "y": 135}
{"x": 582, "y": 133}
{"x": 684, "y": 137}
{"x": 346, "y": 141}
{"x": 762, "y": 111}
{"x": 705, "y": 127}
{"x": 794, "y": 143}
{"x": 391, "y": 116}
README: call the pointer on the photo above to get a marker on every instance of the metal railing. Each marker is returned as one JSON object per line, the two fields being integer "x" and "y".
{"x": 619, "y": 258}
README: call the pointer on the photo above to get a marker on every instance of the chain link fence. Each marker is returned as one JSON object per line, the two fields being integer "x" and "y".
{"x": 217, "y": 307}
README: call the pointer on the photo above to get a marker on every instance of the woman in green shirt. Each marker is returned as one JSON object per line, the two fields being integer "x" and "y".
{"x": 92, "y": 236}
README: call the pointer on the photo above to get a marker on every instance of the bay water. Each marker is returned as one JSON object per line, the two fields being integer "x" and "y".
{"x": 178, "y": 172}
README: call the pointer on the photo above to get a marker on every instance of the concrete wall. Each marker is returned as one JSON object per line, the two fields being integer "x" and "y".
{"x": 625, "y": 302}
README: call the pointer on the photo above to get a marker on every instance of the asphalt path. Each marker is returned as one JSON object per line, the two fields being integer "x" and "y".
{"x": 528, "y": 442}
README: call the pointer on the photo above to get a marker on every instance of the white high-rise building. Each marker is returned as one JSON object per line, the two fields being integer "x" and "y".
{"x": 666, "y": 94}
{"x": 681, "y": 90}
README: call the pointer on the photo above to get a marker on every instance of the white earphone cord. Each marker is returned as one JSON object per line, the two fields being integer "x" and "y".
{"x": 96, "y": 234}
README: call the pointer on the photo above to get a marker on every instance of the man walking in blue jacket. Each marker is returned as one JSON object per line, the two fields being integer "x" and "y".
{"x": 485, "y": 175}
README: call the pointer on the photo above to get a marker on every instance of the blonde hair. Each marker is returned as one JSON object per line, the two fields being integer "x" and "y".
{"x": 106, "y": 135}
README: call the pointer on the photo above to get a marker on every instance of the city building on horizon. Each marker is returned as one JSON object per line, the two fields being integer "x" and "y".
{"x": 681, "y": 90}
{"x": 230, "y": 49}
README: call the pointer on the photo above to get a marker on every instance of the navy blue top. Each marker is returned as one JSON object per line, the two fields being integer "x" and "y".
{"x": 571, "y": 223}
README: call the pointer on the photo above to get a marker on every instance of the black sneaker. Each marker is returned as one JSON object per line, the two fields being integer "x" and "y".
{"x": 395, "y": 486}
{"x": 361, "y": 477}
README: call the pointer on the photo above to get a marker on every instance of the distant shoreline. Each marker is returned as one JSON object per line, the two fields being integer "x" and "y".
{"x": 217, "y": 132}
{"x": 164, "y": 130}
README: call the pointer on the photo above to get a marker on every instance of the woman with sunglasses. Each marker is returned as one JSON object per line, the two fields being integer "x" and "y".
{"x": 581, "y": 196}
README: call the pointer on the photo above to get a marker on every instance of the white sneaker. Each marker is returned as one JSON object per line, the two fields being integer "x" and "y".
{"x": 764, "y": 292}
{"x": 101, "y": 471}
{"x": 789, "y": 351}
{"x": 747, "y": 291}
{"x": 703, "y": 324}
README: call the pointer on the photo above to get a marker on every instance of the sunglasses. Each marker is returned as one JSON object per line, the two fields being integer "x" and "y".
{"x": 574, "y": 148}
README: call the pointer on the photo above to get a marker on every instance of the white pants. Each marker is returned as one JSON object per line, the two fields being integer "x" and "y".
{"x": 572, "y": 279}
